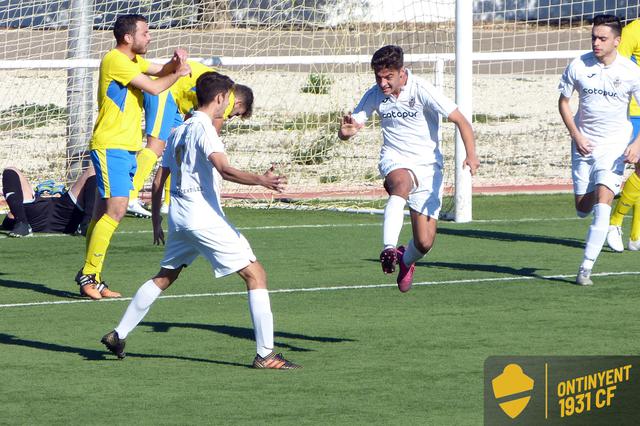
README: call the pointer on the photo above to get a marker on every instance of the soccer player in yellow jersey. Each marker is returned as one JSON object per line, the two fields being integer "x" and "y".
{"x": 124, "y": 73}
{"x": 164, "y": 112}
{"x": 630, "y": 197}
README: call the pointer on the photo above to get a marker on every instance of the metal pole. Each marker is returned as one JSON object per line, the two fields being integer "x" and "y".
{"x": 79, "y": 87}
{"x": 464, "y": 75}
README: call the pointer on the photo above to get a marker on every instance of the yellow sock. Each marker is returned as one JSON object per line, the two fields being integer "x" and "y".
{"x": 98, "y": 245}
{"x": 629, "y": 196}
{"x": 635, "y": 224}
{"x": 87, "y": 237}
{"x": 146, "y": 159}
{"x": 167, "y": 190}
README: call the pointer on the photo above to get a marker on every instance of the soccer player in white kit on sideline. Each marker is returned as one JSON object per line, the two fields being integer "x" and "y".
{"x": 410, "y": 158}
{"x": 601, "y": 133}
{"x": 195, "y": 157}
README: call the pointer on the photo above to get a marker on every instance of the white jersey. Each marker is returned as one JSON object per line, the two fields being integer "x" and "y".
{"x": 409, "y": 122}
{"x": 604, "y": 95}
{"x": 195, "y": 183}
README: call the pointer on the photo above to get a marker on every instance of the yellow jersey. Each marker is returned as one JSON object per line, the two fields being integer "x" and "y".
{"x": 184, "y": 90}
{"x": 119, "y": 123}
{"x": 629, "y": 47}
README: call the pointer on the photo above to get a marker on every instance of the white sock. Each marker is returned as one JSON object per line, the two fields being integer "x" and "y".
{"x": 262, "y": 319}
{"x": 597, "y": 234}
{"x": 138, "y": 308}
{"x": 412, "y": 254}
{"x": 393, "y": 220}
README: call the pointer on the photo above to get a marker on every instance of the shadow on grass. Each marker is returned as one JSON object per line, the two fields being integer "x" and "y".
{"x": 98, "y": 355}
{"x": 244, "y": 333}
{"x": 511, "y": 236}
{"x": 518, "y": 272}
{"x": 38, "y": 288}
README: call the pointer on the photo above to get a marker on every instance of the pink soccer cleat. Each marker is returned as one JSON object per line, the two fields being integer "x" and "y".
{"x": 405, "y": 276}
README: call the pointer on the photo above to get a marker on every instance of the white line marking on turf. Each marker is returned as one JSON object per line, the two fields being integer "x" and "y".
{"x": 325, "y": 225}
{"x": 332, "y": 288}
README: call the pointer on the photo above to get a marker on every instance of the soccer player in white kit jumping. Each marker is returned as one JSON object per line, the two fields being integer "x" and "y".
{"x": 600, "y": 131}
{"x": 410, "y": 158}
{"x": 196, "y": 160}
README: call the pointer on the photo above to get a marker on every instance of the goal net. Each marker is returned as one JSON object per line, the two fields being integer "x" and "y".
{"x": 307, "y": 62}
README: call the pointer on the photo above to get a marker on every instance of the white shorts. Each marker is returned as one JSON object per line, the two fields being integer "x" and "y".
{"x": 226, "y": 249}
{"x": 605, "y": 169}
{"x": 425, "y": 197}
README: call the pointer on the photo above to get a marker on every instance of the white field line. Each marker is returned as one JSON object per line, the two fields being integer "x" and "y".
{"x": 325, "y": 225}
{"x": 331, "y": 288}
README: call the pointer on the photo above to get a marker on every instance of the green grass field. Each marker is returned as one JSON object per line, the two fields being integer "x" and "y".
{"x": 500, "y": 285}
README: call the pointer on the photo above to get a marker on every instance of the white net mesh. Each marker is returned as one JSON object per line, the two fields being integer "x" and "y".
{"x": 307, "y": 62}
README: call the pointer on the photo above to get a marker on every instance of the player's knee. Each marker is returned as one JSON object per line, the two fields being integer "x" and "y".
{"x": 254, "y": 276}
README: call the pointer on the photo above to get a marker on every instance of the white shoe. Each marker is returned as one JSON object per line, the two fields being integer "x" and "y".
{"x": 584, "y": 277}
{"x": 136, "y": 209}
{"x": 634, "y": 245}
{"x": 614, "y": 238}
{"x": 164, "y": 209}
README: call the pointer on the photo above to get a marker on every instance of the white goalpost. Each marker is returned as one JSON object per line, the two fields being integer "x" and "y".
{"x": 308, "y": 62}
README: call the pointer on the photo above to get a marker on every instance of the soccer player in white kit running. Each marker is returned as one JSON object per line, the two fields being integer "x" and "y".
{"x": 195, "y": 157}
{"x": 410, "y": 159}
{"x": 600, "y": 132}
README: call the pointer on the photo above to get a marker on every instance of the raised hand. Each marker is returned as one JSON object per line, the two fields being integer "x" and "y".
{"x": 349, "y": 126}
{"x": 272, "y": 181}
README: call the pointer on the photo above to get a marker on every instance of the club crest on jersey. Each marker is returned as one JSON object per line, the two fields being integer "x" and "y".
{"x": 412, "y": 102}
{"x": 617, "y": 82}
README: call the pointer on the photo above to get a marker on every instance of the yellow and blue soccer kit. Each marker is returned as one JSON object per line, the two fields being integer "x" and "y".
{"x": 117, "y": 133}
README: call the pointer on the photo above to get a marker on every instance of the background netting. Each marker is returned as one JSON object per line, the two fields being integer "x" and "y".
{"x": 292, "y": 53}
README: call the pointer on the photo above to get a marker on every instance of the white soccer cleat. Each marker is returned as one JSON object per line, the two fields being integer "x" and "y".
{"x": 584, "y": 277}
{"x": 634, "y": 245}
{"x": 614, "y": 238}
{"x": 136, "y": 209}
{"x": 164, "y": 209}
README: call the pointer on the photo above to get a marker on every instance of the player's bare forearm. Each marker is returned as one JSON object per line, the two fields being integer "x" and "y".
{"x": 157, "y": 188}
{"x": 583, "y": 145}
{"x": 468, "y": 139}
{"x": 160, "y": 84}
{"x": 269, "y": 180}
{"x": 179, "y": 56}
{"x": 567, "y": 116}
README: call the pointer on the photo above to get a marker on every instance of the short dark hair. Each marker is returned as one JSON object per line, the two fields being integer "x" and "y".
{"x": 388, "y": 57}
{"x": 246, "y": 95}
{"x": 211, "y": 84}
{"x": 126, "y": 24}
{"x": 610, "y": 21}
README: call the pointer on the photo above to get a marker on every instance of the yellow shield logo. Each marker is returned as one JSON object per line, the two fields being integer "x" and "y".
{"x": 512, "y": 382}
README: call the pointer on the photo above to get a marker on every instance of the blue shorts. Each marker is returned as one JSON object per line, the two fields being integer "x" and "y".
{"x": 635, "y": 120}
{"x": 114, "y": 171}
{"x": 161, "y": 115}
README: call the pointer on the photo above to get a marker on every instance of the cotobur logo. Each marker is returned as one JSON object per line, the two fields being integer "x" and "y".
{"x": 512, "y": 389}
{"x": 402, "y": 114}
{"x": 599, "y": 92}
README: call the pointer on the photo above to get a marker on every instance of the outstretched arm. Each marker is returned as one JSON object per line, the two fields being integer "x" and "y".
{"x": 269, "y": 180}
{"x": 468, "y": 139}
